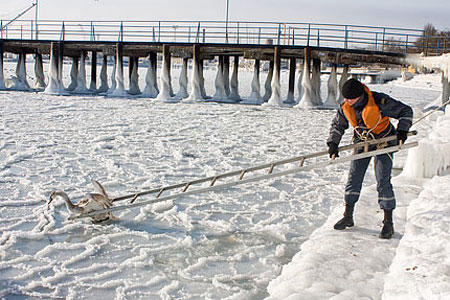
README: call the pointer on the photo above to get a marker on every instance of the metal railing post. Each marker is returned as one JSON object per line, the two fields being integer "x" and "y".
{"x": 384, "y": 35}
{"x": 346, "y": 38}
{"x": 121, "y": 32}
{"x": 159, "y": 31}
{"x": 318, "y": 37}
{"x": 154, "y": 34}
{"x": 376, "y": 41}
{"x": 309, "y": 35}
{"x": 204, "y": 35}
{"x": 92, "y": 32}
{"x": 279, "y": 34}
{"x": 237, "y": 36}
{"x": 189, "y": 35}
{"x": 406, "y": 46}
{"x": 259, "y": 35}
{"x": 31, "y": 29}
{"x": 21, "y": 32}
{"x": 293, "y": 37}
{"x": 438, "y": 45}
{"x": 63, "y": 32}
{"x": 197, "y": 38}
{"x": 1, "y": 28}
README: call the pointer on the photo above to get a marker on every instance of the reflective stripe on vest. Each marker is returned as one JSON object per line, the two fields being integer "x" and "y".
{"x": 371, "y": 115}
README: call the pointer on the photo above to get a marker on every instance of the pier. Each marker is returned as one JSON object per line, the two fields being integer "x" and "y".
{"x": 309, "y": 45}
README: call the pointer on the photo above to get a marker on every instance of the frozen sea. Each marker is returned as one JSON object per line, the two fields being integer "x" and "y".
{"x": 225, "y": 245}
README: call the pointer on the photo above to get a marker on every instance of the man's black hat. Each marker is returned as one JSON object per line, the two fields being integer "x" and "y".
{"x": 352, "y": 89}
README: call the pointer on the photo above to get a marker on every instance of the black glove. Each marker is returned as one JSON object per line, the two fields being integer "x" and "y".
{"x": 333, "y": 149}
{"x": 402, "y": 136}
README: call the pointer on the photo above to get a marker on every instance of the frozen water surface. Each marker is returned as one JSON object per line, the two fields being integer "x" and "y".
{"x": 210, "y": 246}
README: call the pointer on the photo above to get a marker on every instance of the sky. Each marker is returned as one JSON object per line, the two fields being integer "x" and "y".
{"x": 395, "y": 13}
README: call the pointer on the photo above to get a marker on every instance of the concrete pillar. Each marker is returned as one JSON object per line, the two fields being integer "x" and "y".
{"x": 315, "y": 80}
{"x": 134, "y": 79}
{"x": 104, "y": 76}
{"x": 61, "y": 65}
{"x": 195, "y": 94}
{"x": 255, "y": 96}
{"x": 202, "y": 81}
{"x": 220, "y": 93}
{"x": 166, "y": 91}
{"x": 153, "y": 56}
{"x": 131, "y": 62}
{"x": 39, "y": 72}
{"x": 292, "y": 69}
{"x": 93, "y": 84}
{"x": 331, "y": 101}
{"x": 2, "y": 77}
{"x": 299, "y": 85}
{"x": 183, "y": 93}
{"x": 53, "y": 82}
{"x": 150, "y": 78}
{"x": 306, "y": 101}
{"x": 120, "y": 87}
{"x": 73, "y": 75}
{"x": 342, "y": 80}
{"x": 81, "y": 79}
{"x": 268, "y": 83}
{"x": 275, "y": 98}
{"x": 226, "y": 74}
{"x": 234, "y": 83}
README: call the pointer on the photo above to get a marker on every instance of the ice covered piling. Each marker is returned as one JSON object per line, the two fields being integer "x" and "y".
{"x": 315, "y": 83}
{"x": 165, "y": 94}
{"x": 113, "y": 79}
{"x": 53, "y": 86}
{"x": 292, "y": 67}
{"x": 196, "y": 92}
{"x": 182, "y": 92}
{"x": 39, "y": 72}
{"x": 268, "y": 82}
{"x": 275, "y": 98}
{"x": 104, "y": 76}
{"x": 2, "y": 77}
{"x": 306, "y": 101}
{"x": 151, "y": 87}
{"x": 234, "y": 83}
{"x": 255, "y": 96}
{"x": 93, "y": 84}
{"x": 219, "y": 83}
{"x": 134, "y": 78}
{"x": 19, "y": 82}
{"x": 81, "y": 78}
{"x": 342, "y": 80}
{"x": 119, "y": 91}
{"x": 331, "y": 101}
{"x": 73, "y": 75}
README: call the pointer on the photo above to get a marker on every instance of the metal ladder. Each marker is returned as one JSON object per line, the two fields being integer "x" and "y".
{"x": 213, "y": 186}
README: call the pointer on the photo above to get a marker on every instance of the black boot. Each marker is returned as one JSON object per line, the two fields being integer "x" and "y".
{"x": 388, "y": 226}
{"x": 347, "y": 220}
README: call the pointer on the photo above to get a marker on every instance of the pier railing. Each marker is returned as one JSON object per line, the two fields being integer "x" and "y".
{"x": 385, "y": 39}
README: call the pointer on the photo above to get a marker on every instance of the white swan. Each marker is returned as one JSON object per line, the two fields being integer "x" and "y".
{"x": 94, "y": 201}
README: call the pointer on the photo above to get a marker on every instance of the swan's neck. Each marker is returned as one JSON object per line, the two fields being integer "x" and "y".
{"x": 70, "y": 206}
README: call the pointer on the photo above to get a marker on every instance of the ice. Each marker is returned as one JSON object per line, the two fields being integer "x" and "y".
{"x": 266, "y": 240}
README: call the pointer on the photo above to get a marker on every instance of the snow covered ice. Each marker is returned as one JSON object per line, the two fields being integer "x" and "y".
{"x": 266, "y": 240}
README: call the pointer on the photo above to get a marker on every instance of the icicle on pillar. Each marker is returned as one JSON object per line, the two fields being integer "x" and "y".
{"x": 219, "y": 82}
{"x": 112, "y": 88}
{"x": 445, "y": 87}
{"x": 81, "y": 79}
{"x": 255, "y": 96}
{"x": 154, "y": 62}
{"x": 73, "y": 74}
{"x": 234, "y": 83}
{"x": 182, "y": 93}
{"x": 315, "y": 80}
{"x": 39, "y": 72}
{"x": 93, "y": 84}
{"x": 21, "y": 72}
{"x": 134, "y": 78}
{"x": 268, "y": 83}
{"x": 299, "y": 84}
{"x": 226, "y": 75}
{"x": 2, "y": 77}
{"x": 306, "y": 102}
{"x": 196, "y": 93}
{"x": 151, "y": 88}
{"x": 60, "y": 65}
{"x": 275, "y": 98}
{"x": 292, "y": 67}
{"x": 342, "y": 80}
{"x": 120, "y": 87}
{"x": 165, "y": 81}
{"x": 202, "y": 80}
{"x": 53, "y": 82}
{"x": 104, "y": 76}
{"x": 332, "y": 88}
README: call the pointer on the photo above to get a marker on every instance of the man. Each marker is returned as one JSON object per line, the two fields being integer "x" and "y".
{"x": 369, "y": 112}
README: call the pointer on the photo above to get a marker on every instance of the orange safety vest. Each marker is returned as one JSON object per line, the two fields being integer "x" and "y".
{"x": 371, "y": 115}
